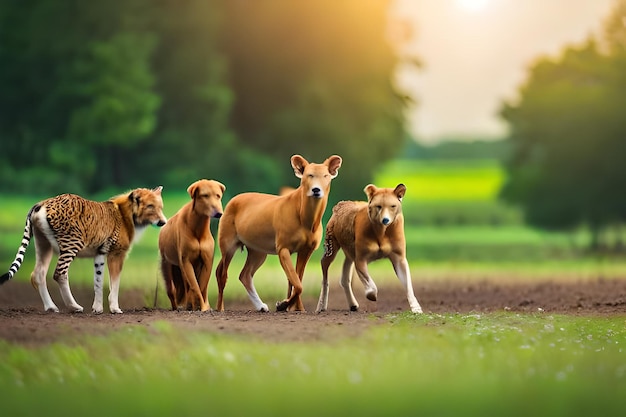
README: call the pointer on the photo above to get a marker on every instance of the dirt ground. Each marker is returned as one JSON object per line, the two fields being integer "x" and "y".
{"x": 23, "y": 321}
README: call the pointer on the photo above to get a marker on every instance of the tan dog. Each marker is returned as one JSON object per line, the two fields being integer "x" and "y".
{"x": 367, "y": 232}
{"x": 280, "y": 225}
{"x": 187, "y": 246}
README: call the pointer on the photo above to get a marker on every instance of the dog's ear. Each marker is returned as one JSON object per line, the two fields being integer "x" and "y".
{"x": 399, "y": 191}
{"x": 158, "y": 190}
{"x": 333, "y": 163}
{"x": 222, "y": 186}
{"x": 298, "y": 163}
{"x": 370, "y": 189}
{"x": 192, "y": 189}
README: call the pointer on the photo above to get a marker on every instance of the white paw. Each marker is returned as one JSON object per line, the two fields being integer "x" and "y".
{"x": 116, "y": 310}
{"x": 416, "y": 309}
{"x": 97, "y": 310}
{"x": 264, "y": 308}
{"x": 76, "y": 309}
{"x": 52, "y": 309}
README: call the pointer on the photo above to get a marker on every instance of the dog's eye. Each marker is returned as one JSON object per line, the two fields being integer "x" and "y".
{"x": 150, "y": 206}
{"x": 379, "y": 207}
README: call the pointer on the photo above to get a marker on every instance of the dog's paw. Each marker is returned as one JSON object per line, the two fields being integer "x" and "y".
{"x": 354, "y": 308}
{"x": 264, "y": 308}
{"x": 76, "y": 309}
{"x": 282, "y": 305}
{"x": 371, "y": 295}
{"x": 97, "y": 311}
{"x": 116, "y": 311}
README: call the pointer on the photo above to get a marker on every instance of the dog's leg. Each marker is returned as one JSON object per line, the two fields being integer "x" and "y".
{"x": 115, "y": 262}
{"x": 327, "y": 259}
{"x": 62, "y": 278}
{"x": 371, "y": 292}
{"x": 401, "y": 267}
{"x": 204, "y": 274}
{"x": 346, "y": 283}
{"x": 43, "y": 256}
{"x": 221, "y": 273}
{"x": 301, "y": 263}
{"x": 166, "y": 270}
{"x": 191, "y": 285}
{"x": 98, "y": 280}
{"x": 253, "y": 263}
{"x": 285, "y": 261}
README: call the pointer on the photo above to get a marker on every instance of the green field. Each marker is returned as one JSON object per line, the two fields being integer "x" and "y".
{"x": 431, "y": 365}
{"x": 455, "y": 364}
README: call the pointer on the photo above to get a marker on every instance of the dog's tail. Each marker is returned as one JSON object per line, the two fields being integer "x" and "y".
{"x": 19, "y": 257}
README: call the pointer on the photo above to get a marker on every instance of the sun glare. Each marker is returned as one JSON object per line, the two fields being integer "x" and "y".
{"x": 472, "y": 5}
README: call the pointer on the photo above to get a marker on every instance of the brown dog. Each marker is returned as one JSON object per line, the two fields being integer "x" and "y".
{"x": 186, "y": 246}
{"x": 367, "y": 232}
{"x": 280, "y": 225}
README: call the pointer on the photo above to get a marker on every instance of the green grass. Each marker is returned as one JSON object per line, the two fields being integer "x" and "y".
{"x": 470, "y": 365}
{"x": 492, "y": 364}
{"x": 445, "y": 180}
{"x": 456, "y": 193}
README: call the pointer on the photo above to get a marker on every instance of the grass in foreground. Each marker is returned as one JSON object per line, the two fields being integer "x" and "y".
{"x": 496, "y": 364}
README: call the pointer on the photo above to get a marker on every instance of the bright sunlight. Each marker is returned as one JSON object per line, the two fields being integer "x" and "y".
{"x": 473, "y": 5}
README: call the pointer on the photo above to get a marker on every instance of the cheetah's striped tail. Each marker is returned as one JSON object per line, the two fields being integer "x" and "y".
{"x": 19, "y": 257}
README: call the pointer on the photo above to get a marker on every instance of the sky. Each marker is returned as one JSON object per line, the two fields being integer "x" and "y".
{"x": 475, "y": 54}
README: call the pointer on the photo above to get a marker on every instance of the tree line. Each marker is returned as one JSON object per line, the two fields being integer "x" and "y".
{"x": 567, "y": 166}
{"x": 126, "y": 93}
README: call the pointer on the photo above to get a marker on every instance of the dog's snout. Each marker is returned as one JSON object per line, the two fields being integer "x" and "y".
{"x": 217, "y": 215}
{"x": 161, "y": 223}
{"x": 316, "y": 190}
{"x": 386, "y": 221}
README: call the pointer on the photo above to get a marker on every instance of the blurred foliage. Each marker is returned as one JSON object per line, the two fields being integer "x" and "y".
{"x": 125, "y": 93}
{"x": 569, "y": 135}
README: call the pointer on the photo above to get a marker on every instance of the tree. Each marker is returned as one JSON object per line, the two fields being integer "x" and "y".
{"x": 569, "y": 139}
{"x": 128, "y": 93}
{"x": 315, "y": 78}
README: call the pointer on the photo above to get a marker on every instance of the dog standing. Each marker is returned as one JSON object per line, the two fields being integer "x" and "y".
{"x": 187, "y": 246}
{"x": 367, "y": 232}
{"x": 72, "y": 226}
{"x": 280, "y": 225}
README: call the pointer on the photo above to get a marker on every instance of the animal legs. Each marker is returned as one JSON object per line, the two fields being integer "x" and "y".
{"x": 346, "y": 283}
{"x": 401, "y": 267}
{"x": 115, "y": 263}
{"x": 322, "y": 303}
{"x": 62, "y": 278}
{"x": 98, "y": 279}
{"x": 192, "y": 288}
{"x": 203, "y": 272}
{"x": 38, "y": 276}
{"x": 221, "y": 273}
{"x": 371, "y": 292}
{"x": 301, "y": 262}
{"x": 295, "y": 281}
{"x": 253, "y": 262}
{"x": 166, "y": 270}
